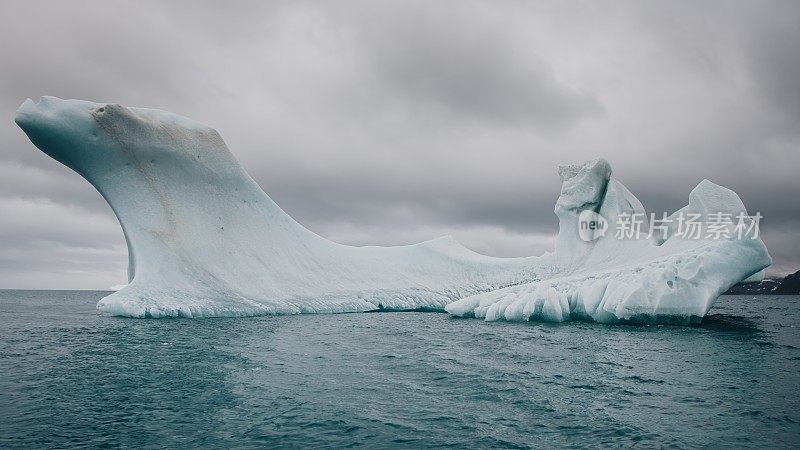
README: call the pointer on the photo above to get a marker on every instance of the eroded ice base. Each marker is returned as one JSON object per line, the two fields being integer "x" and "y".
{"x": 676, "y": 289}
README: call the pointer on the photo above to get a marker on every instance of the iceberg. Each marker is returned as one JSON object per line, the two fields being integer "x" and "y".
{"x": 670, "y": 277}
{"x": 205, "y": 241}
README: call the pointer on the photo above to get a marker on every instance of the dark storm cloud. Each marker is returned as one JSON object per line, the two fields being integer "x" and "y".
{"x": 466, "y": 64}
{"x": 394, "y": 122}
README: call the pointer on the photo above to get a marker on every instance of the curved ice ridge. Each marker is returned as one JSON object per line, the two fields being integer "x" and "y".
{"x": 205, "y": 240}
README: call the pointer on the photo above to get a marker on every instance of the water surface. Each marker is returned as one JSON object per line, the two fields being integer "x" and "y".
{"x": 70, "y": 376}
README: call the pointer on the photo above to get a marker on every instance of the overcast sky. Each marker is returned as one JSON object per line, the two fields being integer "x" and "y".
{"x": 395, "y": 122}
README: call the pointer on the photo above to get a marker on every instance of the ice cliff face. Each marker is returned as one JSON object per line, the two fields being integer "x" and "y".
{"x": 205, "y": 240}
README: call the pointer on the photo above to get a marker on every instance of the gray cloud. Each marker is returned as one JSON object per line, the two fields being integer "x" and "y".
{"x": 466, "y": 64}
{"x": 394, "y": 122}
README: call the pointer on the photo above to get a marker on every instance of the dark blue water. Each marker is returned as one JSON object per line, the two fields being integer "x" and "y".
{"x": 72, "y": 377}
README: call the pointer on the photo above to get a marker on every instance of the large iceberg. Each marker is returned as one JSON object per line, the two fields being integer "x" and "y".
{"x": 204, "y": 239}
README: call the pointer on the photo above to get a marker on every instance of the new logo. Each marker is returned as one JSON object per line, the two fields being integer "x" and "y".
{"x": 591, "y": 226}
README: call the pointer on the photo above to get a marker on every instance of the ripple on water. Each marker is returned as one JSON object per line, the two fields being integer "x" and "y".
{"x": 72, "y": 377}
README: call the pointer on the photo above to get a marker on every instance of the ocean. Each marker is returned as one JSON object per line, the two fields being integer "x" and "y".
{"x": 72, "y": 377}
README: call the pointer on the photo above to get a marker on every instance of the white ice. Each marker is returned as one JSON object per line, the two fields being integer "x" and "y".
{"x": 205, "y": 240}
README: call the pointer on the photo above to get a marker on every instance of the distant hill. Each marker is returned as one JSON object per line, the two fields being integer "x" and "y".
{"x": 787, "y": 286}
{"x": 790, "y": 285}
